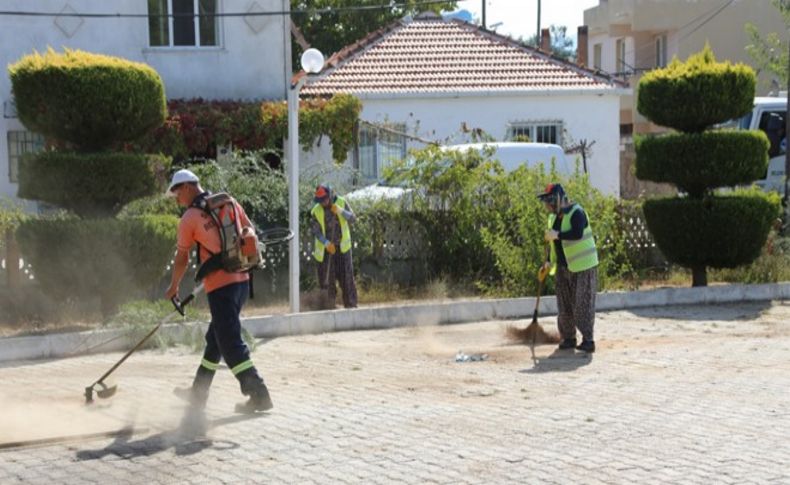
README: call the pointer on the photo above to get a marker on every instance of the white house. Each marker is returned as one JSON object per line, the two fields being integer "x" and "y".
{"x": 212, "y": 57}
{"x": 436, "y": 79}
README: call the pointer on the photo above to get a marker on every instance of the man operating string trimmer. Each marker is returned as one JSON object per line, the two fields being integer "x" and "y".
{"x": 227, "y": 248}
{"x": 574, "y": 261}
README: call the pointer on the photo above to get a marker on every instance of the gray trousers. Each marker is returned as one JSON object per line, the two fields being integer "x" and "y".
{"x": 576, "y": 302}
{"x": 338, "y": 268}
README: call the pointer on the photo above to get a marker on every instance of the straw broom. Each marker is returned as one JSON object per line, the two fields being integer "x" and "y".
{"x": 533, "y": 334}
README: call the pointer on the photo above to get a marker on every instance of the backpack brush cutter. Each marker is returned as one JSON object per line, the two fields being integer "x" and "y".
{"x": 107, "y": 392}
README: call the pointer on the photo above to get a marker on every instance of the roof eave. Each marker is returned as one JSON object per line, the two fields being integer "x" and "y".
{"x": 614, "y": 91}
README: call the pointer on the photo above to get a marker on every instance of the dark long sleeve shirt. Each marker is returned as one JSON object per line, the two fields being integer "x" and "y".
{"x": 578, "y": 223}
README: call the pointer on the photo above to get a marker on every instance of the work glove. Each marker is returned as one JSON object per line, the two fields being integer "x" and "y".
{"x": 544, "y": 270}
{"x": 330, "y": 248}
{"x": 335, "y": 209}
{"x": 551, "y": 235}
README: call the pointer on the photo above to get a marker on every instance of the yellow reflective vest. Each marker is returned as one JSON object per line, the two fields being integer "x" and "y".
{"x": 345, "y": 234}
{"x": 581, "y": 254}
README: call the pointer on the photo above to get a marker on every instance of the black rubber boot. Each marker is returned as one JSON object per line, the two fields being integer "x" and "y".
{"x": 197, "y": 394}
{"x": 586, "y": 346}
{"x": 252, "y": 385}
{"x": 567, "y": 343}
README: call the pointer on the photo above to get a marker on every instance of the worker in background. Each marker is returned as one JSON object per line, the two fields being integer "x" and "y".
{"x": 574, "y": 261}
{"x": 331, "y": 216}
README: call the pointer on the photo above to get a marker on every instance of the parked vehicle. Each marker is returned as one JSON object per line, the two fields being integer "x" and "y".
{"x": 510, "y": 155}
{"x": 769, "y": 115}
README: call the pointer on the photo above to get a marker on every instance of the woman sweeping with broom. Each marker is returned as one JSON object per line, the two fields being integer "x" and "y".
{"x": 574, "y": 261}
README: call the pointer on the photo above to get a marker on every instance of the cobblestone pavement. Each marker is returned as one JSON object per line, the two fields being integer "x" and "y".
{"x": 674, "y": 395}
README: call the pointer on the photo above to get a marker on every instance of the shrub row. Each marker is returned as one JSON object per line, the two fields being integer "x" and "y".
{"x": 113, "y": 259}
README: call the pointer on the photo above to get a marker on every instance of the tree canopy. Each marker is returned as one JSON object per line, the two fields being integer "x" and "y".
{"x": 330, "y": 32}
{"x": 769, "y": 52}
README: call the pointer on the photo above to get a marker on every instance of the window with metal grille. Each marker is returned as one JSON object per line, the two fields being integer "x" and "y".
{"x": 536, "y": 132}
{"x": 21, "y": 143}
{"x": 182, "y": 27}
{"x": 379, "y": 148}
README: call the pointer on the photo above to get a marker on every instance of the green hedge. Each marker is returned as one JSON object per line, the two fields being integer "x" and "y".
{"x": 113, "y": 259}
{"x": 696, "y": 94}
{"x": 719, "y": 232}
{"x": 91, "y": 101}
{"x": 490, "y": 227}
{"x": 697, "y": 162}
{"x": 91, "y": 185}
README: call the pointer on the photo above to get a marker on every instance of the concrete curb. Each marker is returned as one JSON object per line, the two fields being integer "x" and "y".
{"x": 80, "y": 343}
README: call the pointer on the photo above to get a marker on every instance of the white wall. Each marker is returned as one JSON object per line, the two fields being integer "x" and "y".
{"x": 245, "y": 65}
{"x": 591, "y": 117}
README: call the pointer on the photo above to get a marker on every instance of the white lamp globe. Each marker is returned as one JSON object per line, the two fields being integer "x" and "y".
{"x": 312, "y": 61}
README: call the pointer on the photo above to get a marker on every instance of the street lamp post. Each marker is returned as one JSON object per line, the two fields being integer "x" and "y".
{"x": 312, "y": 63}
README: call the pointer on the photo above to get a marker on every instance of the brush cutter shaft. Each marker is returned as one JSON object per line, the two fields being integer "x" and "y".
{"x": 179, "y": 309}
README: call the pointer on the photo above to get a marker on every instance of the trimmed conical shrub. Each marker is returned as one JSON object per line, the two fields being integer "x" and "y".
{"x": 87, "y": 105}
{"x": 699, "y": 229}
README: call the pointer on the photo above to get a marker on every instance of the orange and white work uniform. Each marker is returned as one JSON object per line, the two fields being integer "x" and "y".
{"x": 227, "y": 293}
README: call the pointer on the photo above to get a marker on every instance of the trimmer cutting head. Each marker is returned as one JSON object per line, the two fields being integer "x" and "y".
{"x": 103, "y": 393}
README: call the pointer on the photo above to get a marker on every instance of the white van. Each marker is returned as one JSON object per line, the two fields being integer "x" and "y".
{"x": 510, "y": 155}
{"x": 768, "y": 115}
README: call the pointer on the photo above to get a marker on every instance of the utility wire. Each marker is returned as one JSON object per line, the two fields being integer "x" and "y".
{"x": 708, "y": 19}
{"x": 711, "y": 14}
{"x": 318, "y": 11}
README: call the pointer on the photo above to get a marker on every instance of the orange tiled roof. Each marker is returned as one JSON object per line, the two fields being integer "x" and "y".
{"x": 437, "y": 56}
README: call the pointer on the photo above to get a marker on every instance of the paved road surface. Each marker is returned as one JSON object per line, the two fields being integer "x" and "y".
{"x": 674, "y": 395}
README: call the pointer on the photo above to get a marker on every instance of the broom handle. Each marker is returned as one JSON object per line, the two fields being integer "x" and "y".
{"x": 540, "y": 284}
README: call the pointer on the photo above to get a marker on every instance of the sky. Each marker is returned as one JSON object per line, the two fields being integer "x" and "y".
{"x": 519, "y": 17}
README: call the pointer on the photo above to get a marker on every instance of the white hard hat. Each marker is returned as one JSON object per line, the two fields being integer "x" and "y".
{"x": 181, "y": 177}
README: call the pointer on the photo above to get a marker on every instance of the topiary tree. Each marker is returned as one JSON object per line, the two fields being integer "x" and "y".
{"x": 90, "y": 101}
{"x": 701, "y": 229}
{"x": 88, "y": 105}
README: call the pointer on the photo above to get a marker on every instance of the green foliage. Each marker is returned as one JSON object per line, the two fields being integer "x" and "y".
{"x": 487, "y": 226}
{"x": 515, "y": 237}
{"x": 772, "y": 266}
{"x": 260, "y": 189}
{"x": 91, "y": 185}
{"x": 374, "y": 220}
{"x": 332, "y": 31}
{"x": 157, "y": 204}
{"x": 770, "y": 52}
{"x": 195, "y": 127}
{"x": 704, "y": 231}
{"x": 719, "y": 232}
{"x": 693, "y": 95}
{"x": 114, "y": 259}
{"x": 561, "y": 44}
{"x": 139, "y": 316}
{"x": 89, "y": 100}
{"x": 697, "y": 162}
{"x": 11, "y": 215}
